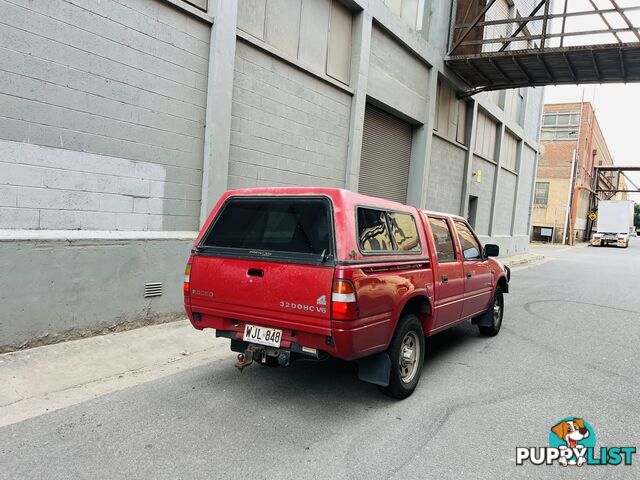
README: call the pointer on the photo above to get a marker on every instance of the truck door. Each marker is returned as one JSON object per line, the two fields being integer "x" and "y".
{"x": 448, "y": 274}
{"x": 478, "y": 287}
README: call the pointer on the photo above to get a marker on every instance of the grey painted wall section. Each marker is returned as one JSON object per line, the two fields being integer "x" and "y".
{"x": 106, "y": 80}
{"x": 523, "y": 204}
{"x": 287, "y": 128}
{"x": 86, "y": 285}
{"x": 534, "y": 102}
{"x": 397, "y": 78}
{"x": 215, "y": 164}
{"x": 446, "y": 174}
{"x": 483, "y": 190}
{"x": 504, "y": 202}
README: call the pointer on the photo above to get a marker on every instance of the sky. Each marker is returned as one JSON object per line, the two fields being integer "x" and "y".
{"x": 617, "y": 105}
{"x": 618, "y": 112}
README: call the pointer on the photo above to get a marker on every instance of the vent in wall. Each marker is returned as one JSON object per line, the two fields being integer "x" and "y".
{"x": 152, "y": 289}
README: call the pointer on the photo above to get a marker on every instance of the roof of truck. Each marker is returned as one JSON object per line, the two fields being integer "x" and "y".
{"x": 333, "y": 193}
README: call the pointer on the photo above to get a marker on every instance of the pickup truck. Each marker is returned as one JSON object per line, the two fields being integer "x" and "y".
{"x": 290, "y": 273}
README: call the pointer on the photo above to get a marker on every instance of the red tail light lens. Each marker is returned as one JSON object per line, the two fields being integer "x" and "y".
{"x": 187, "y": 278}
{"x": 344, "y": 304}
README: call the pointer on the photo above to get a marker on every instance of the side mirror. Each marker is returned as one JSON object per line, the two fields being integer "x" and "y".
{"x": 491, "y": 250}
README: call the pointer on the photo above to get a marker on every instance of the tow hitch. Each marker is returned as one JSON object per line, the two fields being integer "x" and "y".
{"x": 244, "y": 360}
{"x": 261, "y": 354}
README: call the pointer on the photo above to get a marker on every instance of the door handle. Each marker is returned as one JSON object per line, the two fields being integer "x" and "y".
{"x": 255, "y": 272}
{"x": 469, "y": 274}
{"x": 444, "y": 278}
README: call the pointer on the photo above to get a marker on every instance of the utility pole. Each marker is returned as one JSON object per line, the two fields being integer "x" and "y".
{"x": 565, "y": 235}
{"x": 568, "y": 231}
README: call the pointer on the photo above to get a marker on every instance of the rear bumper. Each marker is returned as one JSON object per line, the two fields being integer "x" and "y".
{"x": 346, "y": 340}
{"x": 620, "y": 242}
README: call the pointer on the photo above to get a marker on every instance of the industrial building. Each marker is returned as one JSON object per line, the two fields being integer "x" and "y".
{"x": 122, "y": 122}
{"x": 573, "y": 145}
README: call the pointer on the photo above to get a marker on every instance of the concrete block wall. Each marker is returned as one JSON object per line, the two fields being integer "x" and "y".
{"x": 483, "y": 190}
{"x": 397, "y": 78}
{"x": 288, "y": 127}
{"x": 446, "y": 174}
{"x": 504, "y": 202}
{"x": 102, "y": 115}
{"x": 523, "y": 204}
{"x": 58, "y": 189}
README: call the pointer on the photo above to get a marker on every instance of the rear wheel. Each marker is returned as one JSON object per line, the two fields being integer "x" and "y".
{"x": 496, "y": 310}
{"x": 407, "y": 356}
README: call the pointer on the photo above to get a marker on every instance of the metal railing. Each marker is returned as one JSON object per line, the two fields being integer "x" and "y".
{"x": 559, "y": 24}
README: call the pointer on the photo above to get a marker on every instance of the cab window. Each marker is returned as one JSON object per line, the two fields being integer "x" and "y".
{"x": 470, "y": 246}
{"x": 442, "y": 239}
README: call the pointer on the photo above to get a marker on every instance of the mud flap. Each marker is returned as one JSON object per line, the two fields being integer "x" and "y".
{"x": 375, "y": 369}
{"x": 486, "y": 319}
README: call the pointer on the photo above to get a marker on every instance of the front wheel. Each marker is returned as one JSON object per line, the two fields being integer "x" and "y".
{"x": 496, "y": 310}
{"x": 406, "y": 352}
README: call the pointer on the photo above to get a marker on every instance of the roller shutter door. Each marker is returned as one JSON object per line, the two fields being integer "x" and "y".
{"x": 386, "y": 153}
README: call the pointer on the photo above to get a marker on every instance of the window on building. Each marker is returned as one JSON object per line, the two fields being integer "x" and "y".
{"x": 486, "y": 132}
{"x": 514, "y": 103}
{"x": 411, "y": 11}
{"x": 510, "y": 152}
{"x": 541, "y": 194}
{"x": 451, "y": 115}
{"x": 560, "y": 126}
{"x": 315, "y": 32}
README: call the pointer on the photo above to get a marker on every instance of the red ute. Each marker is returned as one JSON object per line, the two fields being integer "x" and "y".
{"x": 287, "y": 273}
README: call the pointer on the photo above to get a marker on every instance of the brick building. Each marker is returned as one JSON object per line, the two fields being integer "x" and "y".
{"x": 122, "y": 122}
{"x": 567, "y": 129}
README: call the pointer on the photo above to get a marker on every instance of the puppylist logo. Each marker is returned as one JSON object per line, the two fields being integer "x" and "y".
{"x": 572, "y": 442}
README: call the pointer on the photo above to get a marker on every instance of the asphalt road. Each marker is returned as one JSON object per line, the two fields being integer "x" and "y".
{"x": 568, "y": 347}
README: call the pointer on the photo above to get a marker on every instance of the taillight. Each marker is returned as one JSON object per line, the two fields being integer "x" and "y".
{"x": 344, "y": 304}
{"x": 187, "y": 277}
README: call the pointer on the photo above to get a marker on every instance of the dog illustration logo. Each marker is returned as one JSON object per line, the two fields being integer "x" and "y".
{"x": 572, "y": 441}
{"x": 575, "y": 435}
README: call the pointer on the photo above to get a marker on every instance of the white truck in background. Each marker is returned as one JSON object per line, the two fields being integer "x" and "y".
{"x": 614, "y": 224}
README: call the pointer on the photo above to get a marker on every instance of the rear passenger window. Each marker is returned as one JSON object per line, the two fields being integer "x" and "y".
{"x": 373, "y": 232}
{"x": 443, "y": 240}
{"x": 404, "y": 231}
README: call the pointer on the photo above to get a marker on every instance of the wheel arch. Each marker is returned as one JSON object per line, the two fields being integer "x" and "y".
{"x": 420, "y": 305}
{"x": 503, "y": 283}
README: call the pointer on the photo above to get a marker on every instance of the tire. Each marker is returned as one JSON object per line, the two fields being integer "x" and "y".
{"x": 496, "y": 310}
{"x": 406, "y": 352}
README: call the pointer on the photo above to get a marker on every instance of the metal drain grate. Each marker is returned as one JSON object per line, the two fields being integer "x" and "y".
{"x": 152, "y": 289}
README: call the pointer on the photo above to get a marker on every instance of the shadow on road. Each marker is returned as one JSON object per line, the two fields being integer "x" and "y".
{"x": 333, "y": 383}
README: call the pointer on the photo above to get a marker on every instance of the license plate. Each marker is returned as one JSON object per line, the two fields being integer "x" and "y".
{"x": 262, "y": 335}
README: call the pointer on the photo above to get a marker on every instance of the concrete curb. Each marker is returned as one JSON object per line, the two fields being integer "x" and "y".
{"x": 44, "y": 379}
{"x": 524, "y": 259}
